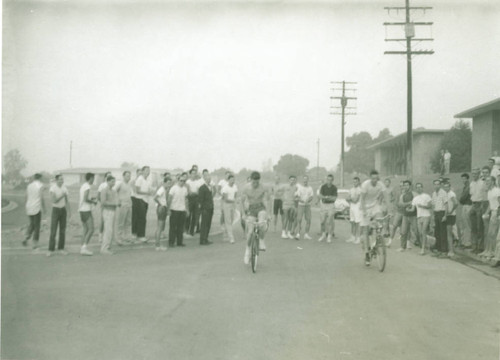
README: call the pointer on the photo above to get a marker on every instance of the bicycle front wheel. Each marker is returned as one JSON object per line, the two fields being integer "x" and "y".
{"x": 255, "y": 252}
{"x": 381, "y": 253}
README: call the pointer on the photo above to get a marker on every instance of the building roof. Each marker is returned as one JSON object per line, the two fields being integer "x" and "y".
{"x": 480, "y": 109}
{"x": 393, "y": 139}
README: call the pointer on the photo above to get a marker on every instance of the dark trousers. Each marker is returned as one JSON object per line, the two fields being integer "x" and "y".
{"x": 194, "y": 214}
{"x": 134, "y": 215}
{"x": 477, "y": 225}
{"x": 58, "y": 218}
{"x": 142, "y": 211}
{"x": 34, "y": 227}
{"x": 440, "y": 232}
{"x": 206, "y": 223}
{"x": 177, "y": 219}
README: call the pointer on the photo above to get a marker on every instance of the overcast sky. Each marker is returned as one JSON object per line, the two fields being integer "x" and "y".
{"x": 227, "y": 84}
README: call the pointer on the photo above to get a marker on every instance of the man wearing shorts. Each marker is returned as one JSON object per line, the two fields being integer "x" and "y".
{"x": 409, "y": 216}
{"x": 372, "y": 195}
{"x": 277, "y": 191}
{"x": 161, "y": 211}
{"x": 253, "y": 201}
{"x": 85, "y": 209}
{"x": 328, "y": 196}
{"x": 305, "y": 194}
{"x": 355, "y": 210}
{"x": 289, "y": 210}
{"x": 423, "y": 204}
{"x": 451, "y": 216}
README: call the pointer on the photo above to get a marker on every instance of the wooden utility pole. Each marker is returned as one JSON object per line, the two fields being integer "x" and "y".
{"x": 343, "y": 106}
{"x": 409, "y": 28}
{"x": 317, "y": 162}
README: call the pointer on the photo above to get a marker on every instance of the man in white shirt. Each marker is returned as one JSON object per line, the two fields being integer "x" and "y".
{"x": 178, "y": 208}
{"x": 229, "y": 196}
{"x": 135, "y": 202}
{"x": 86, "y": 204}
{"x": 60, "y": 210}
{"x": 222, "y": 183}
{"x": 447, "y": 161}
{"x": 34, "y": 207}
{"x": 305, "y": 195}
{"x": 451, "y": 216}
{"x": 423, "y": 204}
{"x": 101, "y": 187}
{"x": 439, "y": 203}
{"x": 124, "y": 191}
{"x": 162, "y": 210}
{"x": 477, "y": 198}
{"x": 355, "y": 210}
{"x": 143, "y": 189}
{"x": 193, "y": 186}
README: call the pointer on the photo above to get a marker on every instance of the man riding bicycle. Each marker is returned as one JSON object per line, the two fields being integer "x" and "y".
{"x": 372, "y": 197}
{"x": 253, "y": 201}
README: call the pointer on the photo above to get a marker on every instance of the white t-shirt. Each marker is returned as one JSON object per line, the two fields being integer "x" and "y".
{"x": 230, "y": 191}
{"x": 222, "y": 183}
{"x": 304, "y": 193}
{"x": 447, "y": 156}
{"x": 493, "y": 195}
{"x": 34, "y": 194}
{"x": 451, "y": 195}
{"x": 179, "y": 194}
{"x": 372, "y": 193}
{"x": 194, "y": 185}
{"x": 145, "y": 185}
{"x": 59, "y": 191}
{"x": 162, "y": 199}
{"x": 355, "y": 193}
{"x": 422, "y": 199}
{"x": 84, "y": 206}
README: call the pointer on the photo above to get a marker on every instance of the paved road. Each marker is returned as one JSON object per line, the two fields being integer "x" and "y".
{"x": 317, "y": 302}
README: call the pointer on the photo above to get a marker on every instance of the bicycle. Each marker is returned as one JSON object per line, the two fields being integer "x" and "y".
{"x": 376, "y": 243}
{"x": 255, "y": 243}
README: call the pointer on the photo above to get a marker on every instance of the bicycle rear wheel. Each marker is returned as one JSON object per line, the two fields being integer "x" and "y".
{"x": 381, "y": 253}
{"x": 255, "y": 252}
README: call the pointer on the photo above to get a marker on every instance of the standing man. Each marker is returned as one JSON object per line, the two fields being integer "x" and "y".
{"x": 397, "y": 220}
{"x": 101, "y": 187}
{"x": 193, "y": 185}
{"x": 327, "y": 196}
{"x": 161, "y": 211}
{"x": 355, "y": 210}
{"x": 277, "y": 191}
{"x": 289, "y": 210}
{"x": 372, "y": 196}
{"x": 305, "y": 194}
{"x": 60, "y": 210}
{"x": 465, "y": 208}
{"x": 409, "y": 216}
{"x": 476, "y": 212}
{"x": 222, "y": 183}
{"x": 229, "y": 197}
{"x": 124, "y": 191}
{"x": 109, "y": 203}
{"x": 135, "y": 203}
{"x": 143, "y": 189}
{"x": 390, "y": 207}
{"x": 85, "y": 209}
{"x": 177, "y": 204}
{"x": 423, "y": 204}
{"x": 447, "y": 161}
{"x": 439, "y": 203}
{"x": 206, "y": 200}
{"x": 451, "y": 215}
{"x": 35, "y": 205}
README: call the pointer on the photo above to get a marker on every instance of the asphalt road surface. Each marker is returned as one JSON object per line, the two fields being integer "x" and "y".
{"x": 308, "y": 300}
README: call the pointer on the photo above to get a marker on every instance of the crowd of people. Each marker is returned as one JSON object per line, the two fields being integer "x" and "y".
{"x": 187, "y": 201}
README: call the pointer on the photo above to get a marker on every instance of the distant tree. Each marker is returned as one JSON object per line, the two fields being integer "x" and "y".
{"x": 458, "y": 141}
{"x": 358, "y": 158}
{"x": 317, "y": 173}
{"x": 13, "y": 164}
{"x": 291, "y": 165}
{"x": 384, "y": 134}
{"x": 128, "y": 165}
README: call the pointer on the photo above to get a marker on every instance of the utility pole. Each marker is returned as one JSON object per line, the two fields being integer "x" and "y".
{"x": 343, "y": 106}
{"x": 70, "y": 153}
{"x": 317, "y": 162}
{"x": 409, "y": 28}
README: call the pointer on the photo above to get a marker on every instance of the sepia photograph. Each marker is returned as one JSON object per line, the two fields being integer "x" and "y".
{"x": 264, "y": 180}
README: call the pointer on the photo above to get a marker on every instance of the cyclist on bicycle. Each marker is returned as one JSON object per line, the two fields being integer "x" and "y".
{"x": 253, "y": 200}
{"x": 372, "y": 197}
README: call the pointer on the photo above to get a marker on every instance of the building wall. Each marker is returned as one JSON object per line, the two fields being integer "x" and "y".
{"x": 482, "y": 138}
{"x": 495, "y": 141}
{"x": 424, "y": 148}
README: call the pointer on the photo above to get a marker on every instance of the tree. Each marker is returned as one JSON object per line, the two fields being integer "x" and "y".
{"x": 13, "y": 164}
{"x": 291, "y": 165}
{"x": 317, "y": 173}
{"x": 129, "y": 165}
{"x": 458, "y": 141}
{"x": 384, "y": 134}
{"x": 359, "y": 158}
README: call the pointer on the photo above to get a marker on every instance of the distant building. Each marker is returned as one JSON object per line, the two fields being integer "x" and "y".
{"x": 390, "y": 154}
{"x": 76, "y": 176}
{"x": 485, "y": 130}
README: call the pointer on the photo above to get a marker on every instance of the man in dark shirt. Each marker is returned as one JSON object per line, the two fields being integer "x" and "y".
{"x": 464, "y": 225}
{"x": 327, "y": 195}
{"x": 206, "y": 200}
{"x": 409, "y": 215}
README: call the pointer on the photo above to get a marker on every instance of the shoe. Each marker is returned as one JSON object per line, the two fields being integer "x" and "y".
{"x": 62, "y": 252}
{"x": 350, "y": 240}
{"x": 367, "y": 259}
{"x": 329, "y": 239}
{"x": 495, "y": 263}
{"x": 451, "y": 254}
{"x": 119, "y": 243}
{"x": 246, "y": 257}
{"x": 400, "y": 250}
{"x": 25, "y": 243}
{"x": 422, "y": 252}
{"x": 36, "y": 250}
{"x": 163, "y": 248}
{"x": 284, "y": 235}
{"x": 290, "y": 236}
{"x": 322, "y": 238}
{"x": 408, "y": 246}
{"x": 50, "y": 253}
{"x": 157, "y": 248}
{"x": 188, "y": 236}
{"x": 297, "y": 236}
{"x": 181, "y": 245}
{"x": 143, "y": 240}
{"x": 262, "y": 245}
{"x": 231, "y": 241}
{"x": 307, "y": 237}
{"x": 357, "y": 241}
{"x": 107, "y": 252}
{"x": 85, "y": 251}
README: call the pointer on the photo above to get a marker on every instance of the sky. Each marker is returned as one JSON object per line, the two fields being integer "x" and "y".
{"x": 228, "y": 84}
